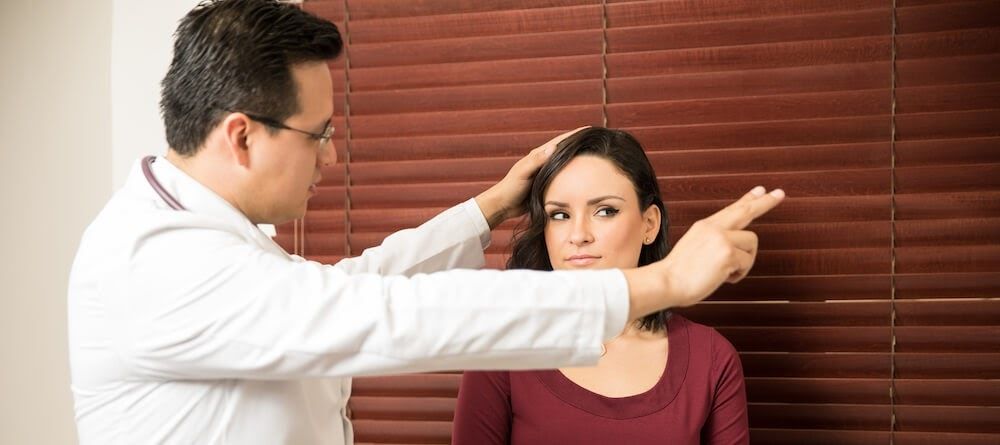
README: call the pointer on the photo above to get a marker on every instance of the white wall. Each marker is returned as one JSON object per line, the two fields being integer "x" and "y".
{"x": 141, "y": 46}
{"x": 79, "y": 85}
{"x": 54, "y": 175}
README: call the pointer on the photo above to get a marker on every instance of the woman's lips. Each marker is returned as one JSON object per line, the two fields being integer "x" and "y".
{"x": 582, "y": 260}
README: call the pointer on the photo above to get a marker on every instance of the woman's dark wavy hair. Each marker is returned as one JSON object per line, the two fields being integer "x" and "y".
{"x": 528, "y": 249}
{"x": 238, "y": 55}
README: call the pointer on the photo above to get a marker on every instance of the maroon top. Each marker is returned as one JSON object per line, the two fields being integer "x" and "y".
{"x": 700, "y": 398}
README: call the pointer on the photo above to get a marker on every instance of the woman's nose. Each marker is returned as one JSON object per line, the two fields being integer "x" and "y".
{"x": 581, "y": 233}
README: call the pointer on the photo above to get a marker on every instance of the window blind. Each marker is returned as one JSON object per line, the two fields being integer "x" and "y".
{"x": 872, "y": 314}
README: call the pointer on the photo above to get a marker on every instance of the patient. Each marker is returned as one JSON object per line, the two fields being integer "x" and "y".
{"x": 596, "y": 204}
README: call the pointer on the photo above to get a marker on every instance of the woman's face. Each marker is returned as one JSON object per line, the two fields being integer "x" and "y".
{"x": 594, "y": 221}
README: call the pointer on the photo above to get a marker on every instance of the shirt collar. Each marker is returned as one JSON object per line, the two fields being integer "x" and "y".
{"x": 195, "y": 197}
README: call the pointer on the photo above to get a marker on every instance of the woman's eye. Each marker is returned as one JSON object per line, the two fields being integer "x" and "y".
{"x": 607, "y": 211}
{"x": 558, "y": 216}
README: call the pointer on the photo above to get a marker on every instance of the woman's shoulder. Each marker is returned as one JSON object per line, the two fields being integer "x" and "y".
{"x": 499, "y": 380}
{"x": 706, "y": 338}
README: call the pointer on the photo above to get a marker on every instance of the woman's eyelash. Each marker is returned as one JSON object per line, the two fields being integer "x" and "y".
{"x": 603, "y": 211}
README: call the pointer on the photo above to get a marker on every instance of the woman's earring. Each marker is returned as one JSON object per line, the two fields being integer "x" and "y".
{"x": 647, "y": 241}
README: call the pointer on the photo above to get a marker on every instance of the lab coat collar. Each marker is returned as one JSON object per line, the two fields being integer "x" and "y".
{"x": 196, "y": 198}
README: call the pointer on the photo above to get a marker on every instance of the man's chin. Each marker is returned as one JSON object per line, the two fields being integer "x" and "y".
{"x": 287, "y": 217}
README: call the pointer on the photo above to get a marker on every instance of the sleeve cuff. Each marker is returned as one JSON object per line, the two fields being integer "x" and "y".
{"x": 616, "y": 301}
{"x": 479, "y": 221}
{"x": 606, "y": 295}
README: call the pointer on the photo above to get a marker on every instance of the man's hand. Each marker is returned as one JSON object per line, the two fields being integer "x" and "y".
{"x": 714, "y": 250}
{"x": 505, "y": 199}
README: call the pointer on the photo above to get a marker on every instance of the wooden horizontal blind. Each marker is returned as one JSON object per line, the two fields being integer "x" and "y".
{"x": 872, "y": 313}
{"x": 322, "y": 234}
{"x": 727, "y": 94}
{"x": 947, "y": 223}
{"x": 444, "y": 97}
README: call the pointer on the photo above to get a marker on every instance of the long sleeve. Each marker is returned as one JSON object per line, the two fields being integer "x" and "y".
{"x": 194, "y": 325}
{"x": 727, "y": 422}
{"x": 235, "y": 310}
{"x": 483, "y": 413}
{"x": 454, "y": 238}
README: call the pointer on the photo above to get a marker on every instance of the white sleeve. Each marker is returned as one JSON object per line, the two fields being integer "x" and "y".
{"x": 454, "y": 238}
{"x": 237, "y": 311}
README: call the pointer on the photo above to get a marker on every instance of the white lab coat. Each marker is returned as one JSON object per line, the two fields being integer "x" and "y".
{"x": 195, "y": 327}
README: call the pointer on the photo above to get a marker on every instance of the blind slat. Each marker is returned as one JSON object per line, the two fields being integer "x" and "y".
{"x": 946, "y": 17}
{"x": 938, "y": 98}
{"x": 972, "y": 231}
{"x": 948, "y": 151}
{"x": 750, "y": 31}
{"x": 402, "y": 408}
{"x": 795, "y": 436}
{"x": 525, "y": 95}
{"x": 687, "y": 162}
{"x": 961, "y": 69}
{"x": 947, "y": 365}
{"x": 492, "y": 48}
{"x": 402, "y": 431}
{"x": 942, "y": 125}
{"x": 868, "y": 313}
{"x": 476, "y": 73}
{"x": 475, "y": 121}
{"x": 758, "y": 108}
{"x": 412, "y": 385}
{"x": 948, "y": 205}
{"x": 761, "y": 56}
{"x": 819, "y": 364}
{"x": 959, "y": 419}
{"x": 807, "y": 288}
{"x": 947, "y": 392}
{"x": 935, "y": 438}
{"x": 818, "y": 391}
{"x": 633, "y": 13}
{"x": 943, "y": 259}
{"x": 820, "y": 416}
{"x": 766, "y": 134}
{"x": 947, "y": 338}
{"x": 944, "y": 285}
{"x": 477, "y": 24}
{"x": 948, "y": 43}
{"x": 800, "y": 79}
{"x": 368, "y": 9}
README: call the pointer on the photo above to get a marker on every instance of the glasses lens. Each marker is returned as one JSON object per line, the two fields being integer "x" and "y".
{"x": 327, "y": 135}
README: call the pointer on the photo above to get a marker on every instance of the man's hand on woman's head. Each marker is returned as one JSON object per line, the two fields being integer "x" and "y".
{"x": 506, "y": 198}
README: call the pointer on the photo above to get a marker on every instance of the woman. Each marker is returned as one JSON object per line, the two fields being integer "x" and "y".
{"x": 596, "y": 204}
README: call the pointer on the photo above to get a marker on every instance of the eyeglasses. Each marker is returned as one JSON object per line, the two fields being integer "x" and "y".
{"x": 323, "y": 137}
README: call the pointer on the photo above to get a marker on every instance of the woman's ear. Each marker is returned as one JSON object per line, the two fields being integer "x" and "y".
{"x": 651, "y": 219}
{"x": 236, "y": 130}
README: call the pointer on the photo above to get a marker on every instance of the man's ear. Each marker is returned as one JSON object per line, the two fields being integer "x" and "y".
{"x": 651, "y": 220}
{"x": 236, "y": 132}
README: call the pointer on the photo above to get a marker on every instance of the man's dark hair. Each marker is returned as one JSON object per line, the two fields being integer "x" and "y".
{"x": 528, "y": 249}
{"x": 237, "y": 55}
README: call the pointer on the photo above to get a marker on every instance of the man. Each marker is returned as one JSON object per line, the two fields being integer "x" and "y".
{"x": 189, "y": 325}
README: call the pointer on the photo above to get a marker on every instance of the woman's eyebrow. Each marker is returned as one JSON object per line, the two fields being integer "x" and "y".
{"x": 602, "y": 198}
{"x": 590, "y": 202}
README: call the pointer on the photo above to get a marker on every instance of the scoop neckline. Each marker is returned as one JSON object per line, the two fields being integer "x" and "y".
{"x": 637, "y": 405}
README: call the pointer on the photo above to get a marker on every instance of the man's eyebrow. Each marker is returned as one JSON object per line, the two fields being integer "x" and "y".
{"x": 322, "y": 126}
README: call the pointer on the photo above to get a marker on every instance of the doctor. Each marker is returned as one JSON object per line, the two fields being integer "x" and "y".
{"x": 189, "y": 325}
